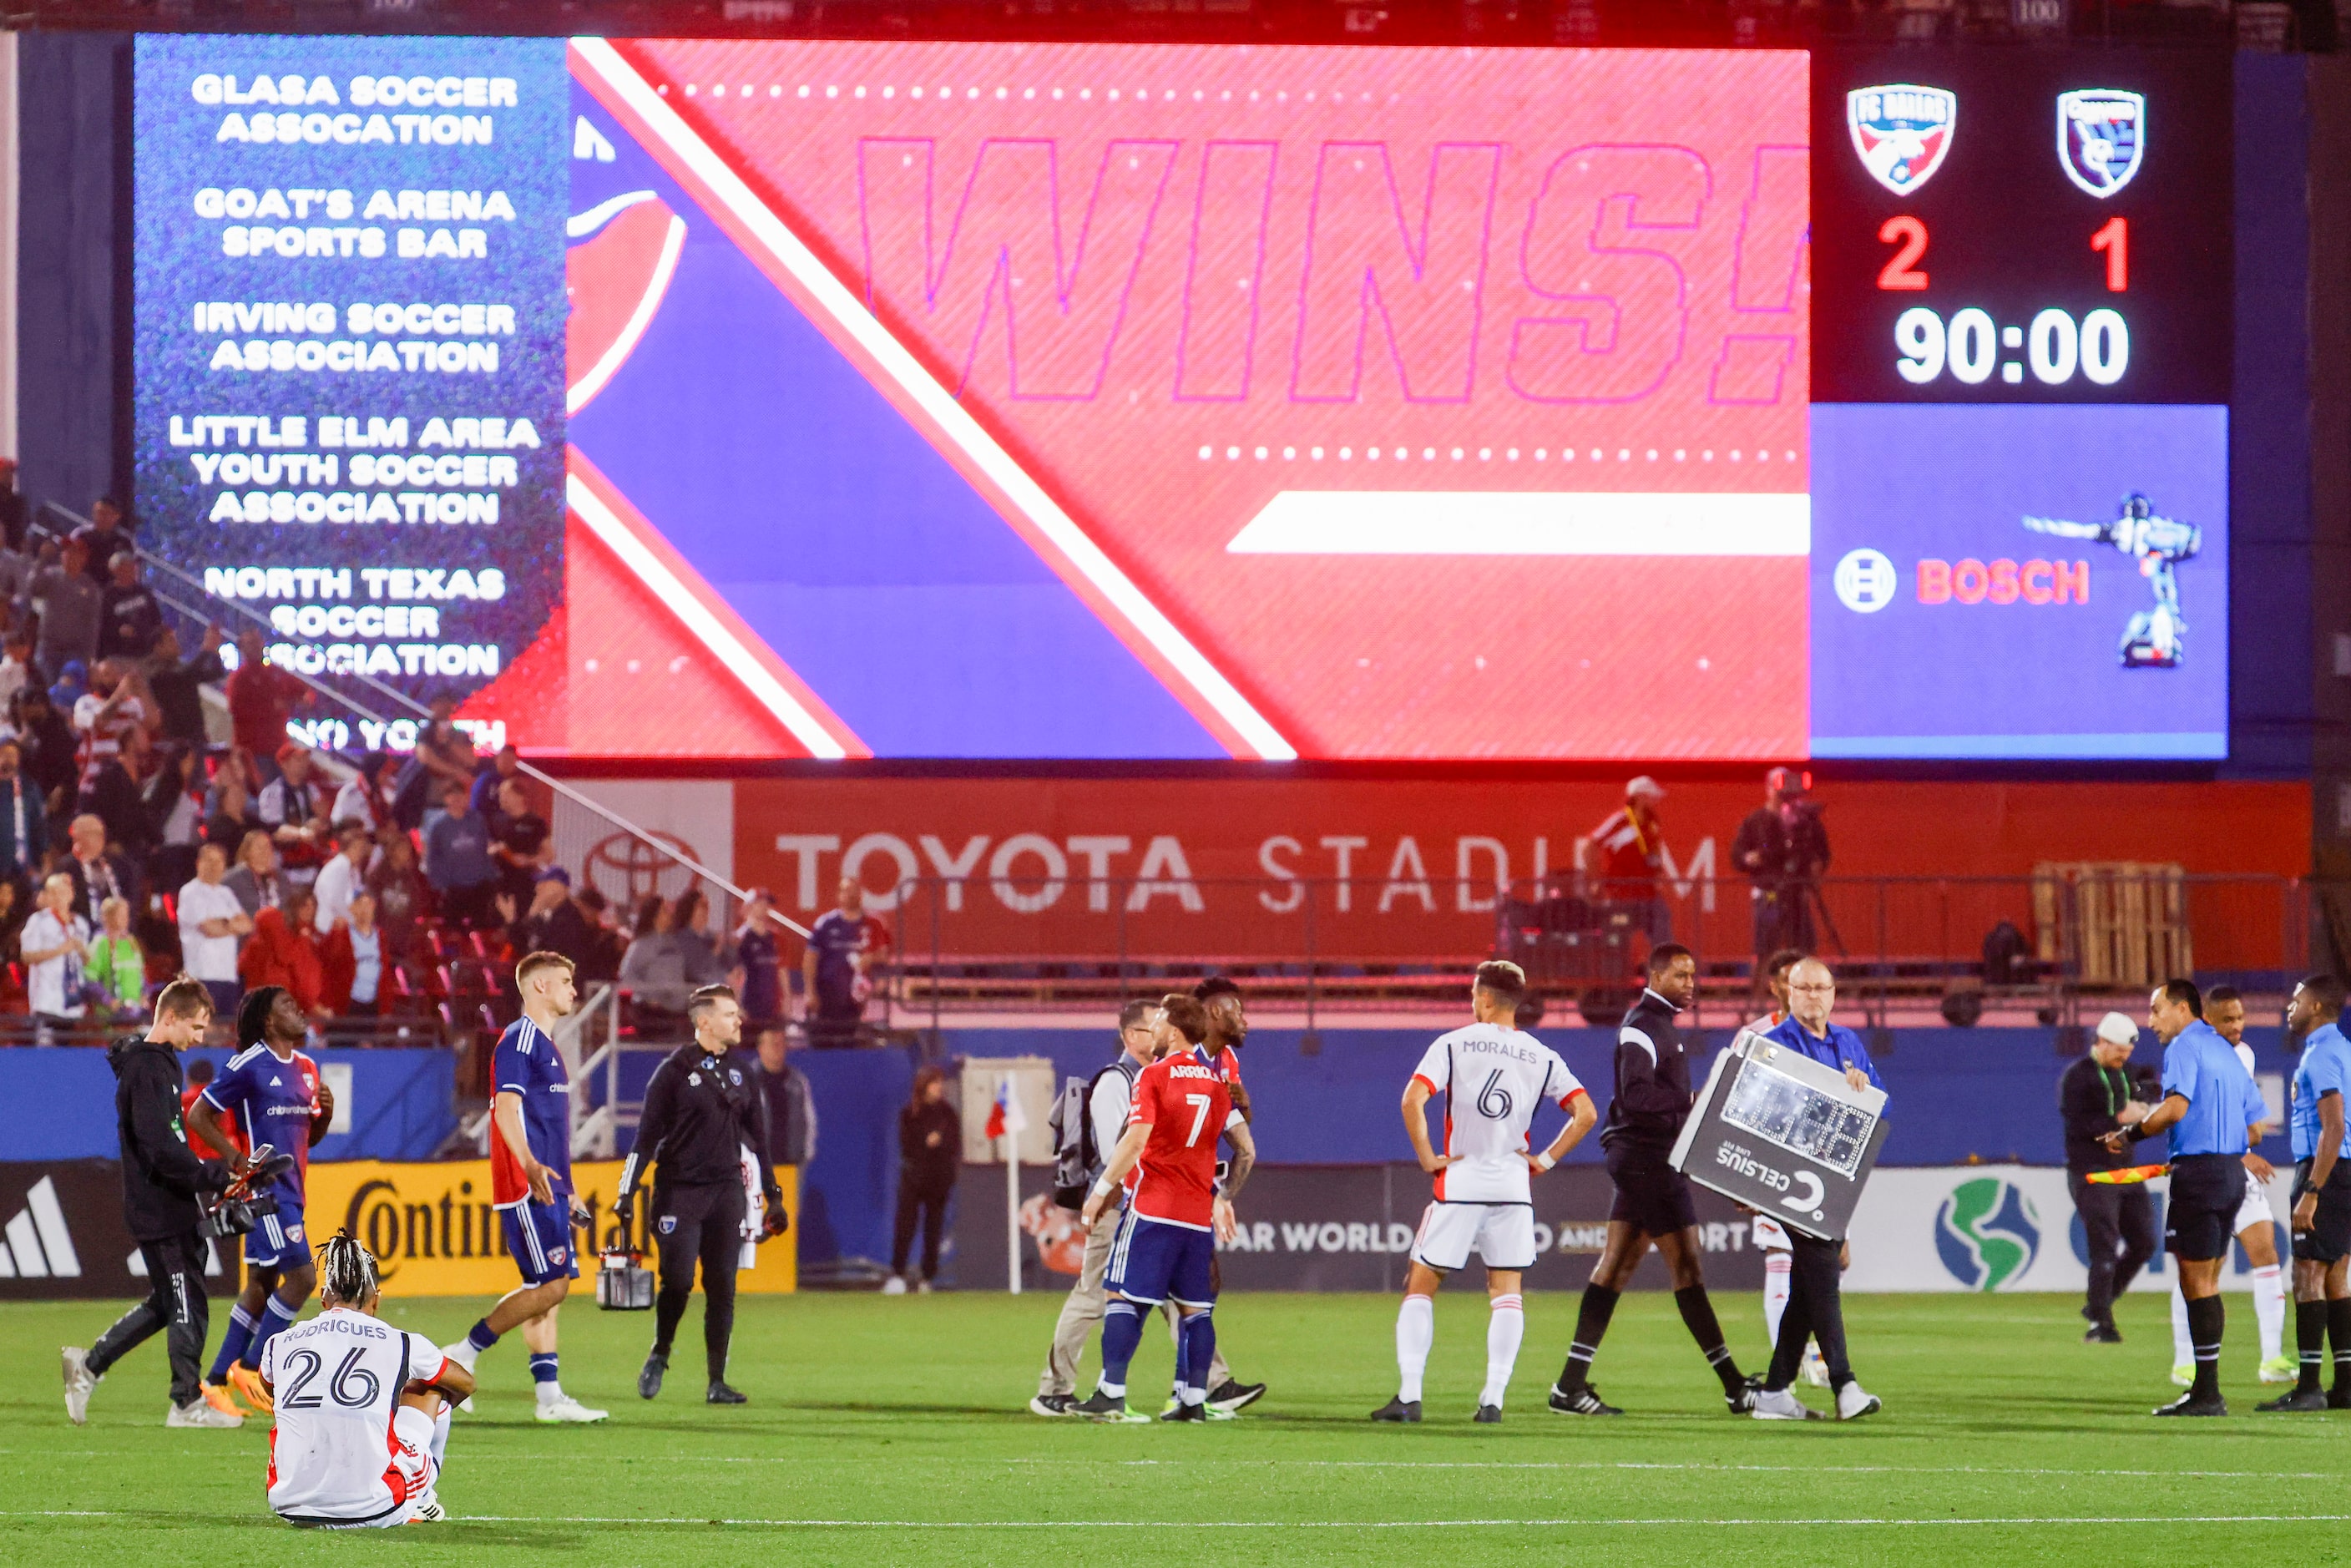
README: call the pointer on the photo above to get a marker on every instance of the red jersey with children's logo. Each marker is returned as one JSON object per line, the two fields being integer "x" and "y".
{"x": 1186, "y": 1102}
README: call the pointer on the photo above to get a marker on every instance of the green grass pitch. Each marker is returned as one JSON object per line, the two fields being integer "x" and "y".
{"x": 892, "y": 1431}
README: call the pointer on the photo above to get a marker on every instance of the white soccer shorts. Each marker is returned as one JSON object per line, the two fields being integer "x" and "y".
{"x": 2254, "y": 1210}
{"x": 1502, "y": 1233}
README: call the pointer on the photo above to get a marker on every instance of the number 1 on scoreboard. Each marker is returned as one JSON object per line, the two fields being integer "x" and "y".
{"x": 2115, "y": 240}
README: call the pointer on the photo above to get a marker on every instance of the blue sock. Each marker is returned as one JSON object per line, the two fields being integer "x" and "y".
{"x": 481, "y": 1336}
{"x": 542, "y": 1368}
{"x": 233, "y": 1343}
{"x": 1122, "y": 1333}
{"x": 275, "y": 1315}
{"x": 1196, "y": 1351}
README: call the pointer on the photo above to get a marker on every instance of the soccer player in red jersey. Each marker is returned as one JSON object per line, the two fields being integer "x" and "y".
{"x": 1167, "y": 1243}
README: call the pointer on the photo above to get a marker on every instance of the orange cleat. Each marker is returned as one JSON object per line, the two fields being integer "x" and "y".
{"x": 247, "y": 1382}
{"x": 222, "y": 1400}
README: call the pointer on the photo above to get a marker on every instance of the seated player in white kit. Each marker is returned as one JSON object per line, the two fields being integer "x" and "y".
{"x": 362, "y": 1407}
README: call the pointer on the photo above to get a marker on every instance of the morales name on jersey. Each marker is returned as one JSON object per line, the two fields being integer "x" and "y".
{"x": 1492, "y": 1078}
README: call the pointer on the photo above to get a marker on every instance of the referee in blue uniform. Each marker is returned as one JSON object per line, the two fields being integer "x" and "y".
{"x": 2208, "y": 1100}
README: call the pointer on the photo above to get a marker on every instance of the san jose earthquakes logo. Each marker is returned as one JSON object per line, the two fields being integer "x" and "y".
{"x": 2101, "y": 133}
{"x": 1903, "y": 133}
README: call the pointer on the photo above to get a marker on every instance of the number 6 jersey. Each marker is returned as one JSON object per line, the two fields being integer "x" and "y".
{"x": 1492, "y": 1078}
{"x": 336, "y": 1456}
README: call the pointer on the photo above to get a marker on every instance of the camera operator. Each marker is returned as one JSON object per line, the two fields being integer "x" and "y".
{"x": 1782, "y": 848}
{"x": 161, "y": 1177}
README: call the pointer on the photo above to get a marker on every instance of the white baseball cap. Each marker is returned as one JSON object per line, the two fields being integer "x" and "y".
{"x": 2118, "y": 1028}
{"x": 1645, "y": 784}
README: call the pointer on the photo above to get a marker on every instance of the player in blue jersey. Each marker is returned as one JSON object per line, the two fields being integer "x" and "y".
{"x": 269, "y": 1092}
{"x": 530, "y": 1181}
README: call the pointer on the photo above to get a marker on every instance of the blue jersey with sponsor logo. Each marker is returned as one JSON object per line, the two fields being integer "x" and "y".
{"x": 527, "y": 1064}
{"x": 269, "y": 1101}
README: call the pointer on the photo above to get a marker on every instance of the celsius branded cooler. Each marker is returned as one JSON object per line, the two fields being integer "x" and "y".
{"x": 1784, "y": 1135}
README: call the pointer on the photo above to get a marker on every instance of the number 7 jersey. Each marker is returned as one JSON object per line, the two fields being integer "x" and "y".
{"x": 1186, "y": 1100}
{"x": 1492, "y": 1078}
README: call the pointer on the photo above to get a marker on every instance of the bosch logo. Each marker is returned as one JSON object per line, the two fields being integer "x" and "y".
{"x": 1865, "y": 581}
{"x": 2003, "y": 581}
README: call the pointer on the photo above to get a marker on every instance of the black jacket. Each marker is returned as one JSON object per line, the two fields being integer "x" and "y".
{"x": 161, "y": 1174}
{"x": 2089, "y": 1097}
{"x": 1653, "y": 1079}
{"x": 787, "y": 1115}
{"x": 701, "y": 1111}
{"x": 929, "y": 1166}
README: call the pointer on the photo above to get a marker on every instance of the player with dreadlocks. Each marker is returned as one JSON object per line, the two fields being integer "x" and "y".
{"x": 350, "y": 1390}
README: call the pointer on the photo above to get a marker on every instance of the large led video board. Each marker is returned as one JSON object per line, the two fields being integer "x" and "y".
{"x": 934, "y": 400}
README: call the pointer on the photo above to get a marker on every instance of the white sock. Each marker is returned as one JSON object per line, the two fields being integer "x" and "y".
{"x": 1776, "y": 1265}
{"x": 1415, "y": 1329}
{"x": 549, "y": 1392}
{"x": 2183, "y": 1349}
{"x": 440, "y": 1438}
{"x": 2269, "y": 1307}
{"x": 1504, "y": 1329}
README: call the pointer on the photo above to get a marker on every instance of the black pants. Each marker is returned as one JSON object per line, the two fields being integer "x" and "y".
{"x": 926, "y": 1201}
{"x": 2119, "y": 1231}
{"x": 704, "y": 1223}
{"x": 175, "y": 1304}
{"x": 1815, "y": 1310}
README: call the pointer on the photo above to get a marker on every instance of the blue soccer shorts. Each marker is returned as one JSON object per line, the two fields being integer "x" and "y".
{"x": 278, "y": 1240}
{"x": 1152, "y": 1261}
{"x": 540, "y": 1237}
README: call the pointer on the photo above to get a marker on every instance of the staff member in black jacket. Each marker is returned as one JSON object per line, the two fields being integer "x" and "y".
{"x": 1653, "y": 1205}
{"x": 2094, "y": 1097}
{"x": 161, "y": 1179}
{"x": 701, "y": 1120}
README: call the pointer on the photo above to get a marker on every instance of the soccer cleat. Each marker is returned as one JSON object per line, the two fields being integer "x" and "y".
{"x": 2297, "y": 1400}
{"x": 922, "y": 1287}
{"x": 649, "y": 1380}
{"x": 1741, "y": 1399}
{"x": 2281, "y": 1369}
{"x": 568, "y": 1409}
{"x": 197, "y": 1413}
{"x": 1400, "y": 1411}
{"x": 720, "y": 1393}
{"x": 246, "y": 1381}
{"x": 1854, "y": 1402}
{"x": 1233, "y": 1395}
{"x": 1782, "y": 1405}
{"x": 1101, "y": 1406}
{"x": 1816, "y": 1369}
{"x": 2188, "y": 1404}
{"x": 1187, "y": 1413}
{"x": 1053, "y": 1404}
{"x": 427, "y": 1510}
{"x": 2184, "y": 1374}
{"x": 893, "y": 1286}
{"x": 463, "y": 1353}
{"x": 78, "y": 1383}
{"x": 218, "y": 1397}
{"x": 2103, "y": 1334}
{"x": 1582, "y": 1400}
{"x": 1488, "y": 1416}
{"x": 1213, "y": 1414}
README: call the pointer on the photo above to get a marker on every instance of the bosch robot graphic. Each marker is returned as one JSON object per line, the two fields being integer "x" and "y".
{"x": 2154, "y": 638}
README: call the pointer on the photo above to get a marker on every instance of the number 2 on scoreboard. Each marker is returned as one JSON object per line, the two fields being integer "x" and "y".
{"x": 1901, "y": 270}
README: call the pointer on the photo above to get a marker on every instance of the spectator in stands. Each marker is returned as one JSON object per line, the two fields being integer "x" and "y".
{"x": 400, "y": 894}
{"x": 178, "y": 683}
{"x": 111, "y": 709}
{"x": 787, "y": 1107}
{"x": 444, "y": 752}
{"x": 553, "y": 922}
{"x": 664, "y": 964}
{"x": 212, "y": 922}
{"x": 232, "y": 815}
{"x": 518, "y": 840}
{"x": 366, "y": 797}
{"x": 17, "y": 904}
{"x": 175, "y": 805}
{"x": 696, "y": 924}
{"x": 1625, "y": 857}
{"x": 16, "y": 666}
{"x": 930, "y": 1151}
{"x": 116, "y": 794}
{"x": 96, "y": 874}
{"x": 54, "y": 945}
{"x": 844, "y": 946}
{"x": 293, "y": 807}
{"x": 118, "y": 965}
{"x": 343, "y": 877}
{"x": 604, "y": 942}
{"x": 352, "y": 961}
{"x": 458, "y": 859}
{"x": 12, "y": 509}
{"x": 104, "y": 537}
{"x": 261, "y": 699}
{"x": 24, "y": 819}
{"x": 130, "y": 619}
{"x": 256, "y": 880}
{"x": 71, "y": 685}
{"x": 490, "y": 783}
{"x": 759, "y": 968}
{"x": 47, "y": 742}
{"x": 71, "y": 602}
{"x": 284, "y": 951}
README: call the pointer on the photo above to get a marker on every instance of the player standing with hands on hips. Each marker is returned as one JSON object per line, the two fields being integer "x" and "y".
{"x": 2208, "y": 1100}
{"x": 700, "y": 1125}
{"x": 2322, "y": 1195}
{"x": 1493, "y": 1077}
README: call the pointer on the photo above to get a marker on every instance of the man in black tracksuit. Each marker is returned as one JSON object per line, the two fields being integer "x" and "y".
{"x": 2095, "y": 1098}
{"x": 161, "y": 1179}
{"x": 1653, "y": 1205}
{"x": 701, "y": 1115}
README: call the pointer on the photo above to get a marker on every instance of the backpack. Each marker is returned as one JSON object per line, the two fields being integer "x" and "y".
{"x": 1077, "y": 1161}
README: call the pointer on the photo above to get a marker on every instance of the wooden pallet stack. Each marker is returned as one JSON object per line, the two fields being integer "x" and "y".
{"x": 2121, "y": 924}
